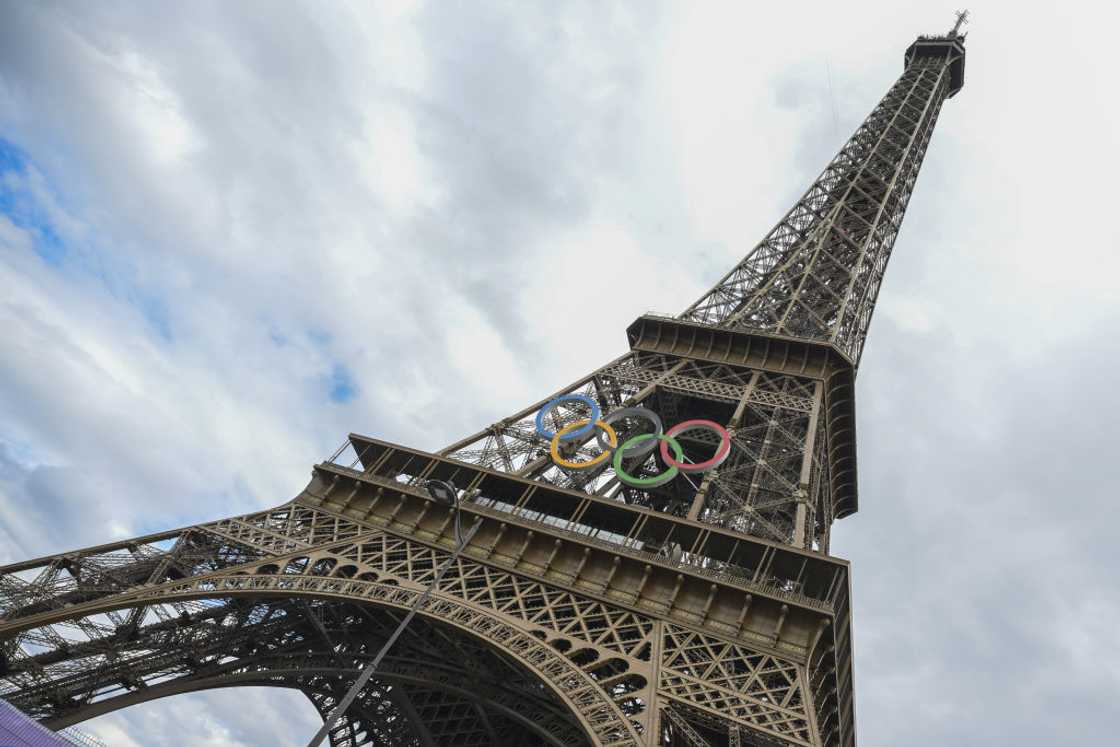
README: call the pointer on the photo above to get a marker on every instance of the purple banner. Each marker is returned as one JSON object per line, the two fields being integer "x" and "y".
{"x": 17, "y": 730}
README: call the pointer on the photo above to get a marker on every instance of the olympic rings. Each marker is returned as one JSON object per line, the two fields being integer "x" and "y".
{"x": 634, "y": 448}
{"x": 633, "y": 412}
{"x": 721, "y": 452}
{"x": 612, "y": 440}
{"x": 656, "y": 480}
{"x": 591, "y": 421}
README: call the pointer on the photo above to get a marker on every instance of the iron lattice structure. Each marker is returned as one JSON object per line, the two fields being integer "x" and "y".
{"x": 567, "y": 620}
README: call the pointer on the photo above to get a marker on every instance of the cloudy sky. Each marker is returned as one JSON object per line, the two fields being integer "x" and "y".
{"x": 230, "y": 233}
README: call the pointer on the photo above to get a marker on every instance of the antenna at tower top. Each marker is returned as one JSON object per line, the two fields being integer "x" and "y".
{"x": 962, "y": 19}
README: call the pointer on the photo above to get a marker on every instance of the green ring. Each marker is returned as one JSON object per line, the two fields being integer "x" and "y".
{"x": 647, "y": 482}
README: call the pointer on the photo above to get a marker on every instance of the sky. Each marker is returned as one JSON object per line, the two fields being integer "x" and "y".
{"x": 232, "y": 233}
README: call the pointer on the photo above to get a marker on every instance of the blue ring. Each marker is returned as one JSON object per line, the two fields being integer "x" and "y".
{"x": 545, "y": 433}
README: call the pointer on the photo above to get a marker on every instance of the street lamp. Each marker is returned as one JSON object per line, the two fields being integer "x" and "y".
{"x": 443, "y": 492}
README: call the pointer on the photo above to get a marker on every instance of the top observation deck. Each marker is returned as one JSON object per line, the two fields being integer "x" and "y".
{"x": 950, "y": 47}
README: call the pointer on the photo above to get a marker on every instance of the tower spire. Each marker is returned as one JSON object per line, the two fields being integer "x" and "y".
{"x": 962, "y": 19}
{"x": 816, "y": 275}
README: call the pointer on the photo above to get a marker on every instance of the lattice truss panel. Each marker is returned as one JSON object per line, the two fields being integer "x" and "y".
{"x": 610, "y": 644}
{"x": 723, "y": 679}
{"x": 834, "y": 712}
{"x": 773, "y": 468}
{"x": 817, "y": 273}
{"x": 77, "y": 578}
{"x": 482, "y": 666}
{"x": 185, "y": 634}
{"x": 554, "y": 610}
{"x": 376, "y": 718}
{"x": 35, "y": 588}
{"x": 763, "y": 693}
{"x": 438, "y": 687}
{"x": 686, "y": 726}
{"x": 769, "y": 473}
{"x": 316, "y": 647}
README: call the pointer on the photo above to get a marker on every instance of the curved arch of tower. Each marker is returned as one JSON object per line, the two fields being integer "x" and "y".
{"x": 594, "y": 606}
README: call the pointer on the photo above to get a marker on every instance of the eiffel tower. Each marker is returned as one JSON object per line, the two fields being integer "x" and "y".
{"x": 652, "y": 561}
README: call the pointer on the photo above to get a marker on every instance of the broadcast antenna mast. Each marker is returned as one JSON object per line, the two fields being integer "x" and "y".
{"x": 962, "y": 19}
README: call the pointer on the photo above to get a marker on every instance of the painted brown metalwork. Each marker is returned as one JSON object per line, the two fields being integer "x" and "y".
{"x": 705, "y": 611}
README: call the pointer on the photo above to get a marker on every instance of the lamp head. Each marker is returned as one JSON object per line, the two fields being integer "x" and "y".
{"x": 443, "y": 492}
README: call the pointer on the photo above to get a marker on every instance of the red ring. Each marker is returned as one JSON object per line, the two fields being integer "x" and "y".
{"x": 716, "y": 460}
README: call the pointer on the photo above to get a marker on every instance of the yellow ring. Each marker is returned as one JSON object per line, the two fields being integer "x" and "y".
{"x": 612, "y": 439}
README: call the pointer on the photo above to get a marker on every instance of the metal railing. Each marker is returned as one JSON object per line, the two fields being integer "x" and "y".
{"x": 781, "y": 588}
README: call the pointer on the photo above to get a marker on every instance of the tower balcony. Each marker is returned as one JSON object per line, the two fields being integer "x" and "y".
{"x": 950, "y": 47}
{"x": 747, "y": 348}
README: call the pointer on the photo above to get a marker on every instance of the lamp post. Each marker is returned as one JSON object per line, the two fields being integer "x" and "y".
{"x": 445, "y": 493}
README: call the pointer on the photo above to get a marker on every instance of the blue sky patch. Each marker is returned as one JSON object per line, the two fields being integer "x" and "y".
{"x": 22, "y": 209}
{"x": 342, "y": 387}
{"x": 319, "y": 336}
{"x": 27, "y": 211}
